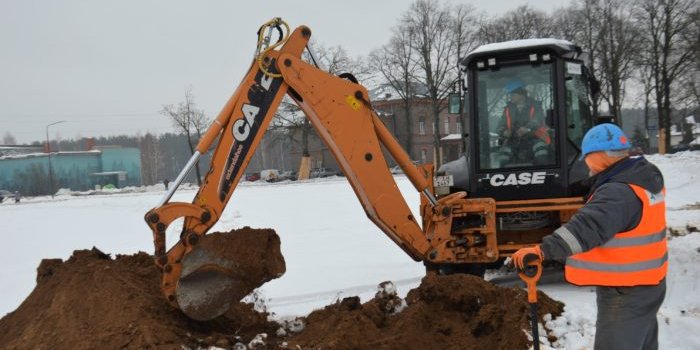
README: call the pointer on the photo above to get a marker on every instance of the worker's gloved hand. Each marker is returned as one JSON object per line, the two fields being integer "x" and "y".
{"x": 519, "y": 258}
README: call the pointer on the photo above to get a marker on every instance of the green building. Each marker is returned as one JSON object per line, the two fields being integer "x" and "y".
{"x": 78, "y": 171}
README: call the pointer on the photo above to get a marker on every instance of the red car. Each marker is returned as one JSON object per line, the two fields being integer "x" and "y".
{"x": 252, "y": 177}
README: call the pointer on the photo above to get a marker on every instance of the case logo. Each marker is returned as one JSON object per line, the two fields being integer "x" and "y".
{"x": 532, "y": 178}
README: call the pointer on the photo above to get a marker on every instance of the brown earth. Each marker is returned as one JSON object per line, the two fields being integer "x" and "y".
{"x": 444, "y": 312}
{"x": 93, "y": 301}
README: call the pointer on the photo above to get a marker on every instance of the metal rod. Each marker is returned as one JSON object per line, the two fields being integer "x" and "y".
{"x": 535, "y": 327}
{"x": 431, "y": 198}
{"x": 186, "y": 170}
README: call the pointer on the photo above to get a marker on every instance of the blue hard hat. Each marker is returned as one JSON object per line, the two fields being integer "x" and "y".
{"x": 513, "y": 85}
{"x": 604, "y": 137}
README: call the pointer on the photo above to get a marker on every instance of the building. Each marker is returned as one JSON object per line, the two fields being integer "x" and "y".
{"x": 28, "y": 172}
{"x": 420, "y": 129}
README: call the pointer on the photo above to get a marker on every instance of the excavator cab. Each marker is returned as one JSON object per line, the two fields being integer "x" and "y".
{"x": 538, "y": 88}
{"x": 527, "y": 110}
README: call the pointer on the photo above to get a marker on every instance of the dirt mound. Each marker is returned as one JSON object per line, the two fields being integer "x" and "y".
{"x": 445, "y": 312}
{"x": 92, "y": 301}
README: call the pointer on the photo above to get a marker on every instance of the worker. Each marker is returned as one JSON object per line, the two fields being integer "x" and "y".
{"x": 524, "y": 135}
{"x": 616, "y": 242}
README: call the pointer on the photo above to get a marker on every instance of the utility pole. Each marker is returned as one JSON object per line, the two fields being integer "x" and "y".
{"x": 48, "y": 149}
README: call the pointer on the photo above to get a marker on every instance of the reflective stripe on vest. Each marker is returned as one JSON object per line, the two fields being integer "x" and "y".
{"x": 635, "y": 257}
{"x": 540, "y": 133}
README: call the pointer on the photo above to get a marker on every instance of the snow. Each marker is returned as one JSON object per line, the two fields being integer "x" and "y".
{"x": 516, "y": 44}
{"x": 452, "y": 137}
{"x": 332, "y": 250}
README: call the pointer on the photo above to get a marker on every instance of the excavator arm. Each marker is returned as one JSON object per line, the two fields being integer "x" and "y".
{"x": 340, "y": 111}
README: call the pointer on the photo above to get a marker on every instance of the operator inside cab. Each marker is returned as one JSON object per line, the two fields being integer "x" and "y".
{"x": 523, "y": 134}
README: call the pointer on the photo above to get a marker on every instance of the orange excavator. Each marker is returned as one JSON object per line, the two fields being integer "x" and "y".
{"x": 475, "y": 211}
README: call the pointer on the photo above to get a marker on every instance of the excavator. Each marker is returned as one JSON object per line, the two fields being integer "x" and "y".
{"x": 475, "y": 211}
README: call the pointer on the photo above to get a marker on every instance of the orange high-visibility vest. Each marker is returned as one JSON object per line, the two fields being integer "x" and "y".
{"x": 540, "y": 133}
{"x": 632, "y": 258}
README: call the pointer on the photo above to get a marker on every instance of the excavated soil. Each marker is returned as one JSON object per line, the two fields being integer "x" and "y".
{"x": 444, "y": 312}
{"x": 93, "y": 301}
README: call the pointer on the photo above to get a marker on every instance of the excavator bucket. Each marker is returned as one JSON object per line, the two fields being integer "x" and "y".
{"x": 209, "y": 284}
{"x": 224, "y": 267}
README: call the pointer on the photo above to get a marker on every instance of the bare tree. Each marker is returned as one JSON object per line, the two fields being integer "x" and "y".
{"x": 522, "y": 23}
{"x": 8, "y": 139}
{"x": 151, "y": 159}
{"x": 465, "y": 29}
{"x": 189, "y": 120}
{"x": 568, "y": 23}
{"x": 589, "y": 36}
{"x": 395, "y": 63}
{"x": 618, "y": 49}
{"x": 435, "y": 48}
{"x": 668, "y": 54}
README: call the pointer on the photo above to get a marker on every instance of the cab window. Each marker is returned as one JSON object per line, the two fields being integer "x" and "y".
{"x": 578, "y": 118}
{"x": 515, "y": 126}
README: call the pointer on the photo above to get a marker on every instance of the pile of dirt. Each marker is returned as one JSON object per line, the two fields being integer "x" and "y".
{"x": 444, "y": 312}
{"x": 93, "y": 301}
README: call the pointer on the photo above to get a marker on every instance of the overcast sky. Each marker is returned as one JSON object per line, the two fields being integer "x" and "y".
{"x": 107, "y": 67}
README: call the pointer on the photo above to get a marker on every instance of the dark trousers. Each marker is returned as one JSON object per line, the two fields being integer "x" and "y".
{"x": 627, "y": 317}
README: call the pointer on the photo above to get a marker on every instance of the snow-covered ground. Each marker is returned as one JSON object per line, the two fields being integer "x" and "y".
{"x": 332, "y": 250}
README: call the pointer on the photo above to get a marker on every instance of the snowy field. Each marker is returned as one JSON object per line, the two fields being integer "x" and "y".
{"x": 332, "y": 250}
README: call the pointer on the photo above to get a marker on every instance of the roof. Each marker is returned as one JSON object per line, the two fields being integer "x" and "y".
{"x": 44, "y": 154}
{"x": 107, "y": 173}
{"x": 452, "y": 137}
{"x": 523, "y": 43}
{"x": 558, "y": 45}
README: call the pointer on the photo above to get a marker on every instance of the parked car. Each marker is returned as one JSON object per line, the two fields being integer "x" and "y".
{"x": 252, "y": 177}
{"x": 322, "y": 172}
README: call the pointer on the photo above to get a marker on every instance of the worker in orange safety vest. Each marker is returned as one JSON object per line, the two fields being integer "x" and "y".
{"x": 616, "y": 242}
{"x": 524, "y": 134}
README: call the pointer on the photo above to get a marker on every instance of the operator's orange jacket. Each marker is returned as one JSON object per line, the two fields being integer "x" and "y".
{"x": 631, "y": 258}
{"x": 541, "y": 132}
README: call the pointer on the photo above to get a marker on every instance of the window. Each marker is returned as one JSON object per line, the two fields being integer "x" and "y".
{"x": 421, "y": 126}
{"x": 459, "y": 126}
{"x": 515, "y": 112}
{"x": 423, "y": 155}
{"x": 447, "y": 125}
{"x": 577, "y": 109}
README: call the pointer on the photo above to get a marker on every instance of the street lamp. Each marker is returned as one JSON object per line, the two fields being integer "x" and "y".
{"x": 48, "y": 149}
